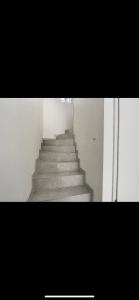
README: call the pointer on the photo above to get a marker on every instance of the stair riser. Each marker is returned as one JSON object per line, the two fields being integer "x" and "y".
{"x": 59, "y": 142}
{"x": 43, "y": 167}
{"x": 58, "y": 156}
{"x": 64, "y": 149}
{"x": 60, "y": 182}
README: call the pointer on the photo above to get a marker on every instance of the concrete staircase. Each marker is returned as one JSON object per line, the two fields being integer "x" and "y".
{"x": 58, "y": 177}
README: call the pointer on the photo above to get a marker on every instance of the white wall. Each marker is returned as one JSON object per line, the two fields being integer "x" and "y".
{"x": 57, "y": 117}
{"x": 108, "y": 149}
{"x": 88, "y": 124}
{"x": 20, "y": 139}
{"x": 128, "y": 184}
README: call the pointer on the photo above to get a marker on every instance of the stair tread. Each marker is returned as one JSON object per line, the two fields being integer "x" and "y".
{"x": 57, "y": 162}
{"x": 57, "y": 174}
{"x": 58, "y": 154}
{"x": 55, "y": 153}
{"x": 61, "y": 193}
{"x": 50, "y": 140}
{"x": 58, "y": 145}
{"x": 56, "y": 142}
{"x": 42, "y": 151}
{"x": 58, "y": 149}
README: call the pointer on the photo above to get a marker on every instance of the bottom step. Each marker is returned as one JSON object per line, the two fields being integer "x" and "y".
{"x": 72, "y": 194}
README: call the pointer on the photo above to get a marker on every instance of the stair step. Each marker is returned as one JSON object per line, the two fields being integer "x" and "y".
{"x": 54, "y": 156}
{"x": 64, "y": 149}
{"x": 70, "y": 194}
{"x": 54, "y": 180}
{"x": 68, "y": 131}
{"x": 58, "y": 142}
{"x": 65, "y": 136}
{"x": 46, "y": 166}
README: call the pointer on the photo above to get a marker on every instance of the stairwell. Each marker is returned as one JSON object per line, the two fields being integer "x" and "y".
{"x": 58, "y": 176}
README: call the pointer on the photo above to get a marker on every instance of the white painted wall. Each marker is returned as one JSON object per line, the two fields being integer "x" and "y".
{"x": 57, "y": 117}
{"x": 108, "y": 149}
{"x": 20, "y": 139}
{"x": 88, "y": 124}
{"x": 128, "y": 184}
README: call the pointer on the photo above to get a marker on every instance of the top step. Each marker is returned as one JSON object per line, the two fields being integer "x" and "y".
{"x": 65, "y": 136}
{"x": 68, "y": 131}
